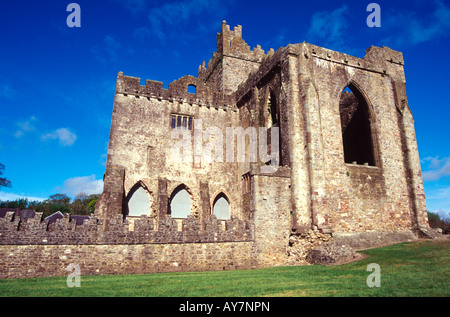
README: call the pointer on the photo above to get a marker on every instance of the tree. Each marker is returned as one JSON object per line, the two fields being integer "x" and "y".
{"x": 93, "y": 200}
{"x": 22, "y": 203}
{"x": 79, "y": 205}
{"x": 58, "y": 202}
{"x": 3, "y": 181}
{"x": 435, "y": 221}
{"x": 59, "y": 199}
{"x": 84, "y": 204}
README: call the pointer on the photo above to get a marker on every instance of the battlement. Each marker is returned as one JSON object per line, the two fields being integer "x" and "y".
{"x": 382, "y": 60}
{"x": 269, "y": 63}
{"x": 68, "y": 230}
{"x": 178, "y": 91}
{"x": 229, "y": 45}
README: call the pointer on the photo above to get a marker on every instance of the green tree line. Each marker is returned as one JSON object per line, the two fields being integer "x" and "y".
{"x": 82, "y": 204}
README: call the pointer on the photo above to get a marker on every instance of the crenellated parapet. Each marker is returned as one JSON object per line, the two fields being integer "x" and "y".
{"x": 230, "y": 43}
{"x": 213, "y": 87}
{"x": 15, "y": 230}
{"x": 177, "y": 91}
{"x": 232, "y": 62}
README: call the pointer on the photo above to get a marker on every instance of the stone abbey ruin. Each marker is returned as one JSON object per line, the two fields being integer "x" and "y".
{"x": 345, "y": 169}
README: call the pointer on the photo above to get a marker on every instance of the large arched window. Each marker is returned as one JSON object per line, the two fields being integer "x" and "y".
{"x": 356, "y": 127}
{"x": 180, "y": 203}
{"x": 221, "y": 207}
{"x": 138, "y": 201}
{"x": 271, "y": 114}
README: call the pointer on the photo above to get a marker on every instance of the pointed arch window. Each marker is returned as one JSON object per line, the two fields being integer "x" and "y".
{"x": 271, "y": 117}
{"x": 272, "y": 113}
{"x": 138, "y": 202}
{"x": 357, "y": 127}
{"x": 180, "y": 203}
{"x": 221, "y": 207}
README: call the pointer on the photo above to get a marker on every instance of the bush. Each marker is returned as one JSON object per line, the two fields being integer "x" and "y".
{"x": 435, "y": 221}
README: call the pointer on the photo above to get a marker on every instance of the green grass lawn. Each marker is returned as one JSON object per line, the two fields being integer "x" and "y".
{"x": 409, "y": 269}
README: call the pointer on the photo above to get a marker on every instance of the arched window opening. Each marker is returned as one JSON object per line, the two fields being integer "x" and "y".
{"x": 138, "y": 202}
{"x": 272, "y": 114}
{"x": 272, "y": 123}
{"x": 180, "y": 203}
{"x": 356, "y": 127}
{"x": 192, "y": 89}
{"x": 221, "y": 207}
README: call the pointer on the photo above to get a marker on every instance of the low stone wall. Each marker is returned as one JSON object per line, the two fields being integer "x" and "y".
{"x": 23, "y": 261}
{"x": 31, "y": 246}
{"x": 35, "y": 230}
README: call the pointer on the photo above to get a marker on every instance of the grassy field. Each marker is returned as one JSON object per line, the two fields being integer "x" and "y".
{"x": 410, "y": 269}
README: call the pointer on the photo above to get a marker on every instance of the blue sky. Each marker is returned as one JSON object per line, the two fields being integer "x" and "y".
{"x": 57, "y": 83}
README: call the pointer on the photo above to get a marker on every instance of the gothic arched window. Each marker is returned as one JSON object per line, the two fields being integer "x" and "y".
{"x": 138, "y": 201}
{"x": 180, "y": 203}
{"x": 356, "y": 124}
{"x": 221, "y": 207}
{"x": 271, "y": 111}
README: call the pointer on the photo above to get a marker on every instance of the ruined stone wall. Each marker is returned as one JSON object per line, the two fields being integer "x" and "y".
{"x": 25, "y": 261}
{"x": 32, "y": 246}
{"x": 143, "y": 230}
{"x": 327, "y": 193}
{"x": 271, "y": 210}
{"x": 142, "y": 142}
{"x": 349, "y": 197}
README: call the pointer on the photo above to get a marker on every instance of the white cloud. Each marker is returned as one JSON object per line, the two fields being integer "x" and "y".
{"x": 28, "y": 125}
{"x": 438, "y": 168}
{"x": 83, "y": 184}
{"x": 440, "y": 25}
{"x": 329, "y": 27}
{"x": 63, "y": 135}
{"x": 25, "y": 126}
{"x": 438, "y": 199}
{"x": 12, "y": 197}
{"x": 416, "y": 29}
{"x": 435, "y": 162}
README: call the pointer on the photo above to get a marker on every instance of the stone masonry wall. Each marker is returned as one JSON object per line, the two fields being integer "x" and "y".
{"x": 272, "y": 216}
{"x": 327, "y": 193}
{"x": 142, "y": 142}
{"x": 144, "y": 230}
{"x": 24, "y": 261}
{"x": 31, "y": 247}
{"x": 359, "y": 198}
